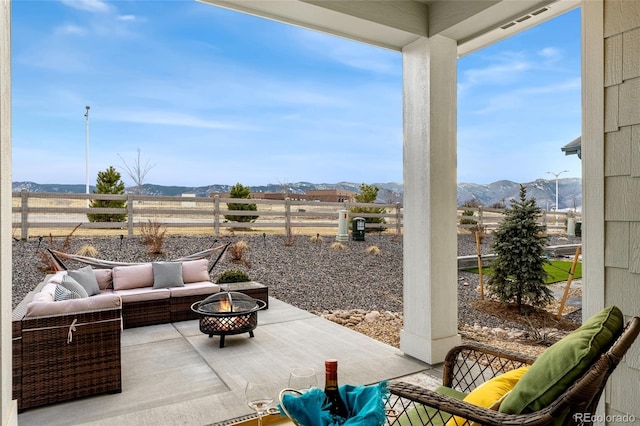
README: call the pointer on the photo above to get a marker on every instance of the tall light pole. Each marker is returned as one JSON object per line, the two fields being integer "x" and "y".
{"x": 557, "y": 175}
{"x": 86, "y": 141}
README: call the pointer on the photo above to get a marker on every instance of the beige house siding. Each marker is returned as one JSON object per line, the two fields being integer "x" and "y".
{"x": 622, "y": 186}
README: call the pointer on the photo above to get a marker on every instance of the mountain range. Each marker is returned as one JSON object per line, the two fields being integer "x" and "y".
{"x": 544, "y": 191}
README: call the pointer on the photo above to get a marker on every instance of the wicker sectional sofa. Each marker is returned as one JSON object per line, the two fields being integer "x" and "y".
{"x": 67, "y": 349}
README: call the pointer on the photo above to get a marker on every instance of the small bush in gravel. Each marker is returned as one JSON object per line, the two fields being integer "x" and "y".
{"x": 237, "y": 251}
{"x": 88, "y": 250}
{"x": 337, "y": 246}
{"x": 373, "y": 250}
{"x": 316, "y": 238}
{"x": 232, "y": 276}
{"x": 153, "y": 235}
{"x": 290, "y": 240}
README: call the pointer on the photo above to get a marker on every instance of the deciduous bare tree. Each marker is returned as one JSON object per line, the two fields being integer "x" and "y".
{"x": 137, "y": 172}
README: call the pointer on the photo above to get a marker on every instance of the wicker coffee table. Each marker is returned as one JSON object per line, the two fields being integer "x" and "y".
{"x": 250, "y": 288}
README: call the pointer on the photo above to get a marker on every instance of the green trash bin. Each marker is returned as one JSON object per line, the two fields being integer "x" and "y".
{"x": 357, "y": 228}
{"x": 578, "y": 229}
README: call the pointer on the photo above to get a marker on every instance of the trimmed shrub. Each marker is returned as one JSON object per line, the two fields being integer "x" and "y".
{"x": 232, "y": 276}
{"x": 369, "y": 194}
{"x": 240, "y": 191}
{"x": 108, "y": 182}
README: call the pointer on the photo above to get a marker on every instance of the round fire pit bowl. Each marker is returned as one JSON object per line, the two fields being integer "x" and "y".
{"x": 228, "y": 313}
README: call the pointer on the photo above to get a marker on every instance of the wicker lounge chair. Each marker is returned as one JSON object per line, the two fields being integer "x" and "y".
{"x": 468, "y": 366}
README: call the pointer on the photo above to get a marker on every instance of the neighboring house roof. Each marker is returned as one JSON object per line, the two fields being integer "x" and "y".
{"x": 573, "y": 147}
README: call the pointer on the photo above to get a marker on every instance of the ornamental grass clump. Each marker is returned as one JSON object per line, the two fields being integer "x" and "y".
{"x": 88, "y": 250}
{"x": 153, "y": 235}
{"x": 237, "y": 251}
{"x": 518, "y": 274}
{"x": 375, "y": 250}
{"x": 316, "y": 238}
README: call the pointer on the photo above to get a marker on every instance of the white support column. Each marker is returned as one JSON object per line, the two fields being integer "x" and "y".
{"x": 593, "y": 178}
{"x": 430, "y": 176}
{"x": 9, "y": 406}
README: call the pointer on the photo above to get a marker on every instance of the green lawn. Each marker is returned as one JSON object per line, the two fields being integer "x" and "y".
{"x": 558, "y": 271}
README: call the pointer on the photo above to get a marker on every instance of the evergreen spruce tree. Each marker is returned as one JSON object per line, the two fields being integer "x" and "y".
{"x": 108, "y": 182}
{"x": 369, "y": 194}
{"x": 519, "y": 243}
{"x": 240, "y": 191}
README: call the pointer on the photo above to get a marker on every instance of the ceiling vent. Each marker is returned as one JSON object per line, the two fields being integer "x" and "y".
{"x": 524, "y": 18}
{"x": 516, "y": 25}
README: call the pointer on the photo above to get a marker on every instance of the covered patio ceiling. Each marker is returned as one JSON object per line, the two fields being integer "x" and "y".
{"x": 431, "y": 34}
{"x": 393, "y": 24}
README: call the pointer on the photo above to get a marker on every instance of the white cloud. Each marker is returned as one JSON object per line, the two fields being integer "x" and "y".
{"x": 551, "y": 53}
{"x": 292, "y": 95}
{"x": 527, "y": 97}
{"x": 93, "y": 6}
{"x": 106, "y": 20}
{"x": 53, "y": 58}
{"x": 494, "y": 73}
{"x": 71, "y": 29}
{"x": 563, "y": 86}
{"x": 168, "y": 118}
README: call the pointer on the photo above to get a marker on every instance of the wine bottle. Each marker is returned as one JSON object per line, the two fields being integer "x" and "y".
{"x": 335, "y": 403}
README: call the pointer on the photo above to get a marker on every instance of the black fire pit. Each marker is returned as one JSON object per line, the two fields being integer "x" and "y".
{"x": 227, "y": 313}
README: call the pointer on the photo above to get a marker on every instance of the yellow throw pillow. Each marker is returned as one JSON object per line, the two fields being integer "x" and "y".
{"x": 491, "y": 392}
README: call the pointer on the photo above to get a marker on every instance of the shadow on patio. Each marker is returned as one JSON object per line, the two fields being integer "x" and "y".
{"x": 174, "y": 374}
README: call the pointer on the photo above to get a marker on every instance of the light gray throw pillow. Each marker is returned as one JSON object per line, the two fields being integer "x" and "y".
{"x": 87, "y": 279}
{"x": 167, "y": 274}
{"x": 73, "y": 285}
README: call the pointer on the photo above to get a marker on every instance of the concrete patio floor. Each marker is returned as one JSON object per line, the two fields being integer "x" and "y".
{"x": 174, "y": 374}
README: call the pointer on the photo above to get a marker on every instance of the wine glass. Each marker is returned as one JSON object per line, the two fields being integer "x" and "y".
{"x": 303, "y": 378}
{"x": 259, "y": 396}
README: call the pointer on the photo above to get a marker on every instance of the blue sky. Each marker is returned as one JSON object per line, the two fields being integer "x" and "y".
{"x": 212, "y": 96}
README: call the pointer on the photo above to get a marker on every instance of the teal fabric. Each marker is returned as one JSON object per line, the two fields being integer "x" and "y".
{"x": 364, "y": 403}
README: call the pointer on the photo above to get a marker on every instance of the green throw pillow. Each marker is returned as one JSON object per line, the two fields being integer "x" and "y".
{"x": 563, "y": 363}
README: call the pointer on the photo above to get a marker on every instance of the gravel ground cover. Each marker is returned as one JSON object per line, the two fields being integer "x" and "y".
{"x": 308, "y": 274}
